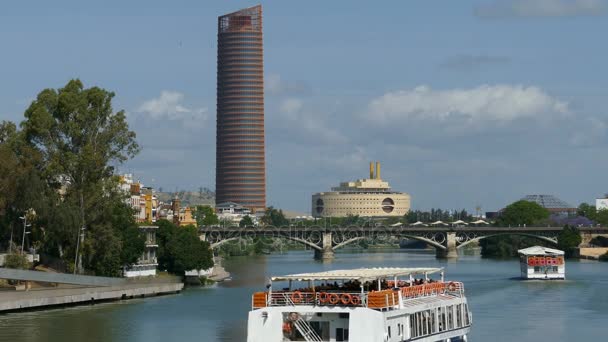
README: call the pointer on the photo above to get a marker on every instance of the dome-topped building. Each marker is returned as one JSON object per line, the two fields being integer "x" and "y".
{"x": 370, "y": 197}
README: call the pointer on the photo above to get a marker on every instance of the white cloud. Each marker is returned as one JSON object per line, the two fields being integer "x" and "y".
{"x": 290, "y": 107}
{"x": 311, "y": 126}
{"x": 592, "y": 132}
{"x": 275, "y": 85}
{"x": 503, "y": 103}
{"x": 169, "y": 106}
{"x": 540, "y": 8}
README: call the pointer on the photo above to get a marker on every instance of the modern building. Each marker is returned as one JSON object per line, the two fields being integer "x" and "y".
{"x": 601, "y": 203}
{"x": 147, "y": 263}
{"x": 553, "y": 204}
{"x": 240, "y": 153}
{"x": 371, "y": 197}
{"x": 233, "y": 213}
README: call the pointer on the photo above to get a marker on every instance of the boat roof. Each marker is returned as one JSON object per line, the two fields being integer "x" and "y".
{"x": 361, "y": 274}
{"x": 538, "y": 250}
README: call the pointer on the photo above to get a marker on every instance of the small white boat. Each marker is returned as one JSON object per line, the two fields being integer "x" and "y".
{"x": 361, "y": 305}
{"x": 542, "y": 263}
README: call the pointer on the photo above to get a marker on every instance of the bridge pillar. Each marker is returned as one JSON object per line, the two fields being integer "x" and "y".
{"x": 326, "y": 251}
{"x": 450, "y": 251}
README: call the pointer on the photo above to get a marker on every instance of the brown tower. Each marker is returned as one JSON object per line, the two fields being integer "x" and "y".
{"x": 240, "y": 158}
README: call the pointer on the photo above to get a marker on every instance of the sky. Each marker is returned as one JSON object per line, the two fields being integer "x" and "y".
{"x": 465, "y": 103}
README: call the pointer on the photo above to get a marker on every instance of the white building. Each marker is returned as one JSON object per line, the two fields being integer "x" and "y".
{"x": 147, "y": 263}
{"x": 601, "y": 203}
{"x": 371, "y": 197}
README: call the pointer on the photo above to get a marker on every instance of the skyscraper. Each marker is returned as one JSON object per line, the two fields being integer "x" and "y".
{"x": 240, "y": 155}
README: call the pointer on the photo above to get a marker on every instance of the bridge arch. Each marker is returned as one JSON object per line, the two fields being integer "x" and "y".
{"x": 414, "y": 237}
{"x": 280, "y": 236}
{"x": 539, "y": 237}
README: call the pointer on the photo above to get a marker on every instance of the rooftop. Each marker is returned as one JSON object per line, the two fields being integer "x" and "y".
{"x": 538, "y": 250}
{"x": 547, "y": 201}
{"x": 361, "y": 274}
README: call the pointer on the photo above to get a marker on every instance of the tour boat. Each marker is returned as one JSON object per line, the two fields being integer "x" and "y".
{"x": 361, "y": 305}
{"x": 542, "y": 263}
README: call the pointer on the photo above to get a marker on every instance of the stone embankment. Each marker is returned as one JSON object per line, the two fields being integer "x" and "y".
{"x": 67, "y": 289}
{"x": 592, "y": 253}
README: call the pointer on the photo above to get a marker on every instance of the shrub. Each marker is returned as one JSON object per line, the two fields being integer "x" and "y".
{"x": 16, "y": 261}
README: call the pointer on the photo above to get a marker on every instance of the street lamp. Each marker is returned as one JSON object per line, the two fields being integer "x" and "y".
{"x": 25, "y": 225}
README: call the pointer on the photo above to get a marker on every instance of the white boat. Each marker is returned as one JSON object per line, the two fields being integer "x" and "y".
{"x": 361, "y": 305}
{"x": 542, "y": 263}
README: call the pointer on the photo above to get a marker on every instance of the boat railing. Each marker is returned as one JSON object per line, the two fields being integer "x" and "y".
{"x": 293, "y": 298}
{"x": 375, "y": 299}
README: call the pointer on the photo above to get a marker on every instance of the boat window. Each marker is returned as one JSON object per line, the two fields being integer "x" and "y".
{"x": 389, "y": 331}
{"x": 459, "y": 315}
{"x": 450, "y": 317}
{"x": 341, "y": 334}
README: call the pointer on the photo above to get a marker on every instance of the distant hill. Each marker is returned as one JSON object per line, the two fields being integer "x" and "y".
{"x": 189, "y": 198}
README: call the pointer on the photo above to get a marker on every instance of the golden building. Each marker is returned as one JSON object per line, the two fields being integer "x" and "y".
{"x": 371, "y": 197}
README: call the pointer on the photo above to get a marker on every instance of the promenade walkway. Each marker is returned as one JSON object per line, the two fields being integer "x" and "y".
{"x": 39, "y": 298}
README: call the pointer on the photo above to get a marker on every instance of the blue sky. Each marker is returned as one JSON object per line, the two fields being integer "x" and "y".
{"x": 463, "y": 102}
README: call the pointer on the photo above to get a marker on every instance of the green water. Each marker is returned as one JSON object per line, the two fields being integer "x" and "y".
{"x": 504, "y": 309}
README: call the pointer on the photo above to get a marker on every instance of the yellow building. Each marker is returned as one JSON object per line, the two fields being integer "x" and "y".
{"x": 371, "y": 197}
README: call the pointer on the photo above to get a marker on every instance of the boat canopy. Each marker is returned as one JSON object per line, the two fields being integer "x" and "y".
{"x": 361, "y": 274}
{"x": 538, "y": 250}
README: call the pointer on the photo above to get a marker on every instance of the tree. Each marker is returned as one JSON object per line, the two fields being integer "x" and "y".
{"x": 522, "y": 213}
{"x": 587, "y": 211}
{"x": 274, "y": 217}
{"x": 181, "y": 250}
{"x": 601, "y": 217}
{"x": 568, "y": 239}
{"x": 79, "y": 139}
{"x": 350, "y": 220}
{"x": 205, "y": 216}
{"x": 246, "y": 221}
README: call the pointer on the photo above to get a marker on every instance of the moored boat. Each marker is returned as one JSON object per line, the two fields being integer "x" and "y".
{"x": 542, "y": 263}
{"x": 361, "y": 305}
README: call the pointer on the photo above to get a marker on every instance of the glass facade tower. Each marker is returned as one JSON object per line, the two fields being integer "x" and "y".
{"x": 240, "y": 153}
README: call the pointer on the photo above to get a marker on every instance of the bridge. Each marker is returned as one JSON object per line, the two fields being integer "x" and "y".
{"x": 446, "y": 240}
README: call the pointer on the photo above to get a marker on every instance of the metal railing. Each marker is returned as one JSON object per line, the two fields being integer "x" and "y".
{"x": 329, "y": 298}
{"x": 374, "y": 299}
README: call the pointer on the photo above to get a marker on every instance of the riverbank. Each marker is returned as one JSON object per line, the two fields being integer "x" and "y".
{"x": 45, "y": 298}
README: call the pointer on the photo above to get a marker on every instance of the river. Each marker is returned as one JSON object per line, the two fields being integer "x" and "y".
{"x": 504, "y": 308}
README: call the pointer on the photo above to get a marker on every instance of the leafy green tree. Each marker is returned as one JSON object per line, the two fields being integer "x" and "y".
{"x": 65, "y": 154}
{"x": 132, "y": 240}
{"x": 274, "y": 217}
{"x": 522, "y": 213}
{"x": 350, "y": 220}
{"x": 181, "y": 250}
{"x": 504, "y": 246}
{"x": 205, "y": 216}
{"x": 246, "y": 221}
{"x": 586, "y": 210}
{"x": 601, "y": 217}
{"x": 604, "y": 257}
{"x": 568, "y": 239}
